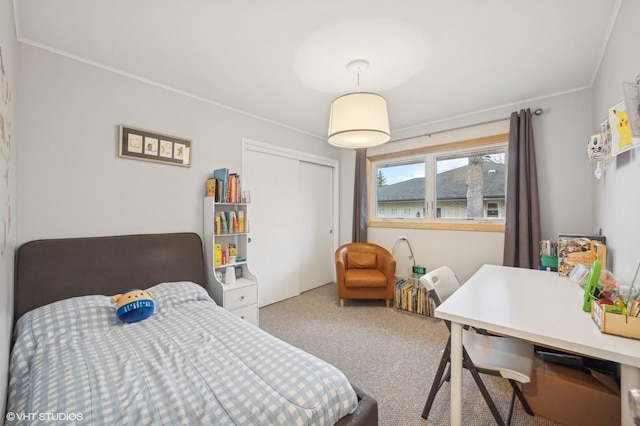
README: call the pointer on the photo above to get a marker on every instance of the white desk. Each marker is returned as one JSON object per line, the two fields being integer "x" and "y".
{"x": 537, "y": 306}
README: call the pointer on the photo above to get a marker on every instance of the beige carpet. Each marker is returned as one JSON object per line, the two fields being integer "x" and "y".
{"x": 390, "y": 354}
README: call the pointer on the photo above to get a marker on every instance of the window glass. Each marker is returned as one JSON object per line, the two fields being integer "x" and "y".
{"x": 400, "y": 190}
{"x": 454, "y": 184}
{"x": 467, "y": 182}
{"x": 493, "y": 210}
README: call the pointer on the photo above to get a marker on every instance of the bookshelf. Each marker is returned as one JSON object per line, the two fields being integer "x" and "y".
{"x": 231, "y": 234}
{"x": 412, "y": 297}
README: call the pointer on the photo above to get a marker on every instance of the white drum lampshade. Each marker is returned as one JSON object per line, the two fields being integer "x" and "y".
{"x": 359, "y": 120}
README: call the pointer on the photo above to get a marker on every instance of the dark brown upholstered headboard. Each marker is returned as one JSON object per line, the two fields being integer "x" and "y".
{"x": 50, "y": 270}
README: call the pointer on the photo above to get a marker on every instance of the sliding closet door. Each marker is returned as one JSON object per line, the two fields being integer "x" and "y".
{"x": 293, "y": 211}
{"x": 274, "y": 218}
{"x": 316, "y": 244}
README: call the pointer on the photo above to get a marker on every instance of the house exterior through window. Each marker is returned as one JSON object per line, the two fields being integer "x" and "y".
{"x": 444, "y": 183}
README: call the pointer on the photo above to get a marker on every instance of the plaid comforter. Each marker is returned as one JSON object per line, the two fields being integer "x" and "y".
{"x": 191, "y": 362}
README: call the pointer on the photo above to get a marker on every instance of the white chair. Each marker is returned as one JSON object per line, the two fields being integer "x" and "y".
{"x": 482, "y": 353}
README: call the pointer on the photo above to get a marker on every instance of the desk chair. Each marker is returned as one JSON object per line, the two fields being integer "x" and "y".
{"x": 482, "y": 352}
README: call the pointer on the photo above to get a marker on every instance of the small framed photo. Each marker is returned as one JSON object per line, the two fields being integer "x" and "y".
{"x": 146, "y": 145}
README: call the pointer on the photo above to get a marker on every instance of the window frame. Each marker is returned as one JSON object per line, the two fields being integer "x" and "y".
{"x": 429, "y": 154}
{"x": 491, "y": 208}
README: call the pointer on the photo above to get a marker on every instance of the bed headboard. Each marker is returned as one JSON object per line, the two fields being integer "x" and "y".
{"x": 50, "y": 270}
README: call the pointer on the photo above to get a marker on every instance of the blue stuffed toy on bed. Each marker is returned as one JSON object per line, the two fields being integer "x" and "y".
{"x": 134, "y": 305}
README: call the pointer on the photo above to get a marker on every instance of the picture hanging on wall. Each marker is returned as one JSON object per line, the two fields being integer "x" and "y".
{"x": 621, "y": 137}
{"x": 632, "y": 101}
{"x": 145, "y": 145}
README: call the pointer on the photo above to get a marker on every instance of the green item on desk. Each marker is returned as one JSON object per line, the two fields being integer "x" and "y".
{"x": 549, "y": 261}
{"x": 612, "y": 309}
{"x": 591, "y": 286}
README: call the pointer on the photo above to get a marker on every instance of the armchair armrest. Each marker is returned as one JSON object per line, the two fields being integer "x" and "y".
{"x": 341, "y": 266}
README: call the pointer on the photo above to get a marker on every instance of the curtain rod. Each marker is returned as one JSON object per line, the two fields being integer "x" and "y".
{"x": 537, "y": 111}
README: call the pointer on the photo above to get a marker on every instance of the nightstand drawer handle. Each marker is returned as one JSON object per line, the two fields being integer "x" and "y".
{"x": 241, "y": 297}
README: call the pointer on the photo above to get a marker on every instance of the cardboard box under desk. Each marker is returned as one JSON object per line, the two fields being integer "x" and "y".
{"x": 571, "y": 397}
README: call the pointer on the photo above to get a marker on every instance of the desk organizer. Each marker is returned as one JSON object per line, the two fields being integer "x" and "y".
{"x": 618, "y": 324}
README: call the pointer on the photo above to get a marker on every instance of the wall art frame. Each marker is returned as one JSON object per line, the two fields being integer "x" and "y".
{"x": 141, "y": 144}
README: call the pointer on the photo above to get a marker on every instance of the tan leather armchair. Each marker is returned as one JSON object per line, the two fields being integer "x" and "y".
{"x": 365, "y": 271}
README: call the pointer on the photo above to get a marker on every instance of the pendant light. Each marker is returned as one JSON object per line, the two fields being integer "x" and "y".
{"x": 358, "y": 120}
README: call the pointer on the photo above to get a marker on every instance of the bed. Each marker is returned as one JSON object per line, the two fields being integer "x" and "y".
{"x": 191, "y": 362}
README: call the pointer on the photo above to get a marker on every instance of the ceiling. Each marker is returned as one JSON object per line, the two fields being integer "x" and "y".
{"x": 284, "y": 61}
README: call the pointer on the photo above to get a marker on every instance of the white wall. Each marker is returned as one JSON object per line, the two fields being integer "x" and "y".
{"x": 8, "y": 144}
{"x": 71, "y": 181}
{"x": 616, "y": 201}
{"x": 564, "y": 179}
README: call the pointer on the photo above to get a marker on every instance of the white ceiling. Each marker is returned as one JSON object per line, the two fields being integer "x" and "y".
{"x": 285, "y": 60}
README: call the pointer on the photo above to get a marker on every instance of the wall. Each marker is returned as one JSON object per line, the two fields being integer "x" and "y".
{"x": 616, "y": 202}
{"x": 564, "y": 178}
{"x": 72, "y": 183}
{"x": 8, "y": 143}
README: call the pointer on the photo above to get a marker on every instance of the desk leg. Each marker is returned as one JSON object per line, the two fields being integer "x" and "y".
{"x": 629, "y": 379}
{"x": 456, "y": 374}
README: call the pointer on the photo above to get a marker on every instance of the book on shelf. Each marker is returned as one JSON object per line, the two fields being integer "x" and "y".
{"x": 400, "y": 282}
{"x": 223, "y": 220}
{"x": 218, "y": 191}
{"x": 234, "y": 192}
{"x": 234, "y": 221}
{"x": 217, "y": 257}
{"x": 228, "y": 221}
{"x": 241, "y": 227}
{"x": 412, "y": 297}
{"x": 227, "y": 197}
{"x": 222, "y": 175}
{"x": 238, "y": 190}
{"x": 228, "y": 189}
{"x": 211, "y": 187}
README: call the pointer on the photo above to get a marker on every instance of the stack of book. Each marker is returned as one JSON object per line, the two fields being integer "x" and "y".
{"x": 412, "y": 297}
{"x": 230, "y": 222}
{"x": 225, "y": 187}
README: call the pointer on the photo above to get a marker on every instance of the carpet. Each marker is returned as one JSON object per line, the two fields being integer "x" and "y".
{"x": 389, "y": 354}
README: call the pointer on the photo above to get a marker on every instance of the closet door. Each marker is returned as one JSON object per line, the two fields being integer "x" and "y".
{"x": 316, "y": 208}
{"x": 274, "y": 224}
{"x": 293, "y": 211}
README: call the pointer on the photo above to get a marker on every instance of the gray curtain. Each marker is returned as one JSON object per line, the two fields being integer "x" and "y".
{"x": 522, "y": 223}
{"x": 359, "y": 234}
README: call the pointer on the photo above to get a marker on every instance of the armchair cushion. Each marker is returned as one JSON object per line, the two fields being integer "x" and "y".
{"x": 364, "y": 278}
{"x": 361, "y": 260}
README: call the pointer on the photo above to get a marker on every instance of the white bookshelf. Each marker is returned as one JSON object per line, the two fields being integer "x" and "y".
{"x": 241, "y": 296}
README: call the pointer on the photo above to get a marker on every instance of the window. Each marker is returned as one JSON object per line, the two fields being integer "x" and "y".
{"x": 400, "y": 185}
{"x": 492, "y": 210}
{"x": 466, "y": 180}
{"x": 462, "y": 182}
